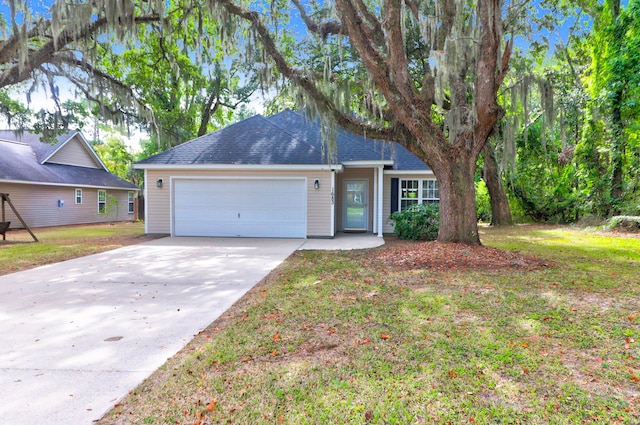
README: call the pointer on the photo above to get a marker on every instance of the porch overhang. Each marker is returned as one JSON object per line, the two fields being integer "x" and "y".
{"x": 368, "y": 164}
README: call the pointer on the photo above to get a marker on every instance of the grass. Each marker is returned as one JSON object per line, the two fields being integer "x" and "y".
{"x": 328, "y": 338}
{"x": 19, "y": 252}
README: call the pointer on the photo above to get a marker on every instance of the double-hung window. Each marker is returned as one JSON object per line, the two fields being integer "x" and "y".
{"x": 102, "y": 201}
{"x": 131, "y": 200}
{"x": 78, "y": 196}
{"x": 414, "y": 191}
{"x": 409, "y": 191}
{"x": 430, "y": 192}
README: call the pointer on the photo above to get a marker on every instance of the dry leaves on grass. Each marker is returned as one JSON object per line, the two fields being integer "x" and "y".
{"x": 451, "y": 257}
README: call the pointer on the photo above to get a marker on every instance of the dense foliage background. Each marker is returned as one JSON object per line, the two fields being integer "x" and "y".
{"x": 567, "y": 148}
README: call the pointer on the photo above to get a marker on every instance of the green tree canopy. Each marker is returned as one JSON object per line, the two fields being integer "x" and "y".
{"x": 423, "y": 73}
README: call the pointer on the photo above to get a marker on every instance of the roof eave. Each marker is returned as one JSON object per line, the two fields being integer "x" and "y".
{"x": 408, "y": 172}
{"x": 79, "y": 185}
{"x": 368, "y": 163}
{"x": 241, "y": 167}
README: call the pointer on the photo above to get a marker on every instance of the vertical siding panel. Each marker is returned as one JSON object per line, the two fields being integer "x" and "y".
{"x": 158, "y": 212}
{"x": 387, "y": 225}
{"x": 319, "y": 204}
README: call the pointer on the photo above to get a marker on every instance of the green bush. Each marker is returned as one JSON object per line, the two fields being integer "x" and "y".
{"x": 625, "y": 223}
{"x": 418, "y": 222}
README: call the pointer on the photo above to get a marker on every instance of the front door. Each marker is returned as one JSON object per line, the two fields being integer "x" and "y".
{"x": 355, "y": 205}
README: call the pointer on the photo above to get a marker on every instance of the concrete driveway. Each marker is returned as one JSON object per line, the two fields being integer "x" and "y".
{"x": 76, "y": 336}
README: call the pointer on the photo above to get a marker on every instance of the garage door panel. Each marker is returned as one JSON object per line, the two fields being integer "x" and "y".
{"x": 243, "y": 207}
{"x": 202, "y": 228}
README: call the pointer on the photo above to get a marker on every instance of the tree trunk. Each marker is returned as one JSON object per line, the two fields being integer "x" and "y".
{"x": 617, "y": 158}
{"x": 617, "y": 124}
{"x": 500, "y": 210}
{"x": 458, "y": 219}
{"x": 207, "y": 110}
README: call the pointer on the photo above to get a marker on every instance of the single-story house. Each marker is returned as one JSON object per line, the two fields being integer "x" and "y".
{"x": 61, "y": 184}
{"x": 271, "y": 177}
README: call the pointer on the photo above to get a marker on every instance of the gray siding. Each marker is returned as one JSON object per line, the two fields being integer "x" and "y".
{"x": 38, "y": 205}
{"x": 74, "y": 152}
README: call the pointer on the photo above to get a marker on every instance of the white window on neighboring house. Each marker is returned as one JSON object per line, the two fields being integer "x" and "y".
{"x": 131, "y": 199}
{"x": 78, "y": 196}
{"x": 102, "y": 201}
{"x": 414, "y": 191}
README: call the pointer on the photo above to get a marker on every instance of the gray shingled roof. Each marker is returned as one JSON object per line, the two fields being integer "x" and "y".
{"x": 286, "y": 138}
{"x": 21, "y": 156}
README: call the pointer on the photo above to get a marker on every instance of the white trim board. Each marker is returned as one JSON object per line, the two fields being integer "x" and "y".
{"x": 240, "y": 167}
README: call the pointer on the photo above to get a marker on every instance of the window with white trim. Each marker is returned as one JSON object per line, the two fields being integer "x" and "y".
{"x": 102, "y": 201}
{"x": 131, "y": 199}
{"x": 430, "y": 192}
{"x": 413, "y": 191}
{"x": 78, "y": 196}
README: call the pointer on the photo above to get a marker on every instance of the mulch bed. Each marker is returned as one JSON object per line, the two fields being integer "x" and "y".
{"x": 437, "y": 256}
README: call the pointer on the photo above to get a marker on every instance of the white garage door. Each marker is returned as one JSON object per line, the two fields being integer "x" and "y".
{"x": 240, "y": 208}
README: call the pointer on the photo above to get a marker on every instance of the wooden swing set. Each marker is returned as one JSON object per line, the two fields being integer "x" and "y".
{"x": 4, "y": 225}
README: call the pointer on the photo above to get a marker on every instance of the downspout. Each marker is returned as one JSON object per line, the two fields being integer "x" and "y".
{"x": 380, "y": 182}
{"x": 376, "y": 200}
{"x": 146, "y": 200}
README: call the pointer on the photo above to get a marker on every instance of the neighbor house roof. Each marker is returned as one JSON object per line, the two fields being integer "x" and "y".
{"x": 25, "y": 159}
{"x": 287, "y": 138}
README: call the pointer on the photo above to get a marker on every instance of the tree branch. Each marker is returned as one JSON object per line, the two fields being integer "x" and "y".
{"x": 346, "y": 121}
{"x": 487, "y": 109}
{"x": 398, "y": 64}
{"x": 504, "y": 66}
{"x": 323, "y": 29}
{"x": 10, "y": 47}
{"x": 99, "y": 75}
{"x": 374, "y": 30}
{"x": 21, "y": 72}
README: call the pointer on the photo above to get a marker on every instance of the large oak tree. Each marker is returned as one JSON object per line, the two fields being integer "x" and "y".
{"x": 434, "y": 69}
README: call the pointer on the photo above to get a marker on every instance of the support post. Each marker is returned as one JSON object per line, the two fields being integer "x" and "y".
{"x": 4, "y": 236}
{"x": 380, "y": 180}
{"x": 5, "y": 197}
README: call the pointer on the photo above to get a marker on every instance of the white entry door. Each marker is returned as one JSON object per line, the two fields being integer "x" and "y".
{"x": 355, "y": 217}
{"x": 274, "y": 208}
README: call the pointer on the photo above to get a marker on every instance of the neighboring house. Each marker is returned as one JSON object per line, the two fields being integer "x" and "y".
{"x": 63, "y": 184}
{"x": 270, "y": 177}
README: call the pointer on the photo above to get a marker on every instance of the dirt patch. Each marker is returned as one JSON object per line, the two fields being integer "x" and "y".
{"x": 450, "y": 256}
{"x": 618, "y": 233}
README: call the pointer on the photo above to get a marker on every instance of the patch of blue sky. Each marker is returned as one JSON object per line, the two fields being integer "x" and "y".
{"x": 34, "y": 8}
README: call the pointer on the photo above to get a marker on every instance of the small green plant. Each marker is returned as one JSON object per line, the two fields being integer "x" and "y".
{"x": 111, "y": 208}
{"x": 418, "y": 222}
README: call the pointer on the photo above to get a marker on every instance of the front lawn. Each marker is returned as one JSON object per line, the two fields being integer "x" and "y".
{"x": 369, "y": 338}
{"x": 20, "y": 252}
